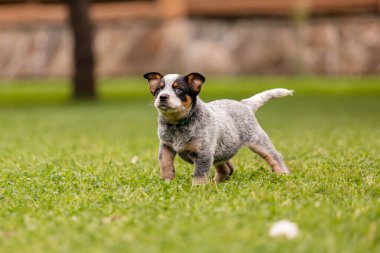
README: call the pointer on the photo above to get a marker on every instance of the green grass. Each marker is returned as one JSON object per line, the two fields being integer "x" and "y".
{"x": 67, "y": 183}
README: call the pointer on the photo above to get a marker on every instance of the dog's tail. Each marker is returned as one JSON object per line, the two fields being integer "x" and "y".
{"x": 258, "y": 100}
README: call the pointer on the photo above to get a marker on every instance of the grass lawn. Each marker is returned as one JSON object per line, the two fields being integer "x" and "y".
{"x": 69, "y": 181}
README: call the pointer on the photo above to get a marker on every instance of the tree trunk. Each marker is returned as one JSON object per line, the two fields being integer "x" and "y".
{"x": 84, "y": 64}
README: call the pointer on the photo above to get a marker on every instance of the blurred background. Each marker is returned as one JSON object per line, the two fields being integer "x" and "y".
{"x": 214, "y": 37}
{"x": 82, "y": 176}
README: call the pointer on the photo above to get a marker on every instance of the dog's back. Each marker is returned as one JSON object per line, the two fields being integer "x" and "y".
{"x": 234, "y": 122}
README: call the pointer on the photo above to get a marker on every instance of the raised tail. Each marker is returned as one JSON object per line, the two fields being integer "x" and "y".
{"x": 258, "y": 100}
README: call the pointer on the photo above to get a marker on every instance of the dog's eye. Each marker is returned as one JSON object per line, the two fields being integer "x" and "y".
{"x": 177, "y": 90}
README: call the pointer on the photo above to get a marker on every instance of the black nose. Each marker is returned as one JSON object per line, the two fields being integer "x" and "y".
{"x": 164, "y": 97}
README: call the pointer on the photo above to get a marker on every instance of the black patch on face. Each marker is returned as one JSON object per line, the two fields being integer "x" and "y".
{"x": 182, "y": 90}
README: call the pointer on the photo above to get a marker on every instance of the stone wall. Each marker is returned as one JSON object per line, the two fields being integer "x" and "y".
{"x": 328, "y": 45}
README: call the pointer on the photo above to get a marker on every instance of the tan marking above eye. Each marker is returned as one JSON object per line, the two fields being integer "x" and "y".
{"x": 175, "y": 85}
{"x": 162, "y": 85}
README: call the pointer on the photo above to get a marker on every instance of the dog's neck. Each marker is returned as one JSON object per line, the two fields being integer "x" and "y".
{"x": 196, "y": 107}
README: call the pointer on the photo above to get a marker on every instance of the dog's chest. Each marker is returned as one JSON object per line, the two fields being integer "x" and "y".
{"x": 179, "y": 141}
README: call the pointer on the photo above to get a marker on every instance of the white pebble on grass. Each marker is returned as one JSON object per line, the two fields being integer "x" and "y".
{"x": 284, "y": 228}
{"x": 134, "y": 159}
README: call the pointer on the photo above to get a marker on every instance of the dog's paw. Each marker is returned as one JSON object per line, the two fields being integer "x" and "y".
{"x": 200, "y": 181}
{"x": 167, "y": 176}
{"x": 221, "y": 178}
{"x": 282, "y": 171}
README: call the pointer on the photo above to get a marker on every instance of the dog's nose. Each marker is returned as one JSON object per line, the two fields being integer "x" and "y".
{"x": 164, "y": 97}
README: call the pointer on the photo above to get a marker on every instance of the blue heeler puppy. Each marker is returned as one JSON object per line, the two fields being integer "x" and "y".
{"x": 207, "y": 134}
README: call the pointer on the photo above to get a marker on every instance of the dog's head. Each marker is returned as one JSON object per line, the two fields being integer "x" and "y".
{"x": 174, "y": 94}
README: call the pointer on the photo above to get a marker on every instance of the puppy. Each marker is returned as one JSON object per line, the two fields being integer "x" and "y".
{"x": 207, "y": 134}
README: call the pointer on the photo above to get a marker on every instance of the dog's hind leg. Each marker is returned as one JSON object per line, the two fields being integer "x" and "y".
{"x": 223, "y": 171}
{"x": 263, "y": 146}
{"x": 229, "y": 164}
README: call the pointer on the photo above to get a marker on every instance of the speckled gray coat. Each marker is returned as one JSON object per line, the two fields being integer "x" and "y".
{"x": 217, "y": 130}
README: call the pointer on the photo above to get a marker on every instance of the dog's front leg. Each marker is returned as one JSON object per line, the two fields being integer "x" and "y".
{"x": 201, "y": 170}
{"x": 166, "y": 159}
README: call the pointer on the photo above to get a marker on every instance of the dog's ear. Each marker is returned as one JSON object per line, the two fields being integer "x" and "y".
{"x": 154, "y": 79}
{"x": 195, "y": 81}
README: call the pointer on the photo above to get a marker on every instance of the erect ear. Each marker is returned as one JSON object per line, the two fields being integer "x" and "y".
{"x": 195, "y": 81}
{"x": 154, "y": 79}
